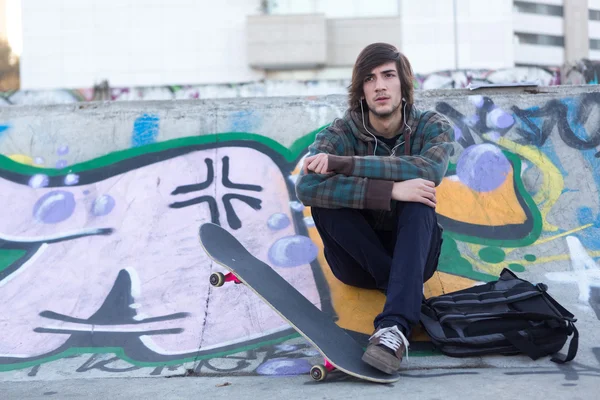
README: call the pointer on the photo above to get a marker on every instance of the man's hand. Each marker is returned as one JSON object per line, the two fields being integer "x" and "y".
{"x": 416, "y": 191}
{"x": 316, "y": 163}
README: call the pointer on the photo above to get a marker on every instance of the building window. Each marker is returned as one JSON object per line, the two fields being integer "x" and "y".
{"x": 595, "y": 15}
{"x": 595, "y": 44}
{"x": 542, "y": 40}
{"x": 537, "y": 8}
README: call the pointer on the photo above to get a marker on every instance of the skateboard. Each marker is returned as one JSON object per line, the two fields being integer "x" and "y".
{"x": 339, "y": 350}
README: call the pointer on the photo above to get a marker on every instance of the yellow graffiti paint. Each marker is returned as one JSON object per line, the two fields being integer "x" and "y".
{"x": 494, "y": 208}
{"x": 561, "y": 257}
{"x": 553, "y": 182}
{"x": 22, "y": 159}
{"x": 548, "y": 239}
{"x": 492, "y": 269}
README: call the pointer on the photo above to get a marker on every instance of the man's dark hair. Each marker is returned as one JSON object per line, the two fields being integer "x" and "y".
{"x": 373, "y": 56}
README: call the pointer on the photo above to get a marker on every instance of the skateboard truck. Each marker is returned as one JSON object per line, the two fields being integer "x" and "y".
{"x": 218, "y": 279}
{"x": 319, "y": 372}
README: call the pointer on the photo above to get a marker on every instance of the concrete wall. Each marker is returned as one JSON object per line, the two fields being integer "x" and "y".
{"x": 101, "y": 272}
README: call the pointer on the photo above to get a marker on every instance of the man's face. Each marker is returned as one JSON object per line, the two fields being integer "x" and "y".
{"x": 382, "y": 90}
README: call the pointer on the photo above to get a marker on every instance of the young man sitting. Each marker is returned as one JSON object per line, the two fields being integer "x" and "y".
{"x": 370, "y": 180}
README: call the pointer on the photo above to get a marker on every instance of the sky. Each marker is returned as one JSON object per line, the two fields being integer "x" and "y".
{"x": 14, "y": 31}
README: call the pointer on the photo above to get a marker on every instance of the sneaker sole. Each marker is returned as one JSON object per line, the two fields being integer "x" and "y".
{"x": 373, "y": 358}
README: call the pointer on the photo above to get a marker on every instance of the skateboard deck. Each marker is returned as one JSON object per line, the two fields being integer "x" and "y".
{"x": 338, "y": 348}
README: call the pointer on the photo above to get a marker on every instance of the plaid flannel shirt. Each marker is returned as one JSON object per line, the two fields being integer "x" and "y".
{"x": 362, "y": 180}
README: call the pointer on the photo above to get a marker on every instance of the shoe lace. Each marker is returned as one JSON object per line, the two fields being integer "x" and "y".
{"x": 392, "y": 337}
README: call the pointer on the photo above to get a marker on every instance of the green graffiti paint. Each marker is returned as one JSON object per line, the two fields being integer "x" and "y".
{"x": 452, "y": 262}
{"x": 290, "y": 154}
{"x": 493, "y": 255}
{"x": 530, "y": 257}
{"x": 120, "y": 353}
{"x": 516, "y": 267}
{"x": 8, "y": 257}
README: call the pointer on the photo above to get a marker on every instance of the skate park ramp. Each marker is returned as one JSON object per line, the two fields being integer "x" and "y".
{"x": 102, "y": 273}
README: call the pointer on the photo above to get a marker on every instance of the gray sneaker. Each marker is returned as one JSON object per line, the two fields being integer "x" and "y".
{"x": 386, "y": 349}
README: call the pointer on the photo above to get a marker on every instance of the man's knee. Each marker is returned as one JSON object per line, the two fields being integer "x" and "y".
{"x": 322, "y": 216}
{"x": 325, "y": 217}
{"x": 417, "y": 212}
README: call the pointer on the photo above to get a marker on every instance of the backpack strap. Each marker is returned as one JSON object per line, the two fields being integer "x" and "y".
{"x": 572, "y": 352}
{"x": 526, "y": 346}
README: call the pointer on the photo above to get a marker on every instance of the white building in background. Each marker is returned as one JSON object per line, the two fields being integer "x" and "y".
{"x": 553, "y": 32}
{"x": 79, "y": 43}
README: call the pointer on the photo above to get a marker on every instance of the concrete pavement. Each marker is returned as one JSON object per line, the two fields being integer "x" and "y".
{"x": 569, "y": 382}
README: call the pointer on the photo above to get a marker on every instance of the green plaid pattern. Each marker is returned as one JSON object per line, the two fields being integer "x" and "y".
{"x": 431, "y": 146}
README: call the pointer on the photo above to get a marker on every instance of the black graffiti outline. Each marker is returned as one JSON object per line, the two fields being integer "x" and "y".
{"x": 480, "y": 126}
{"x": 101, "y": 365}
{"x": 228, "y": 184}
{"x": 555, "y": 113}
{"x": 32, "y": 247}
{"x": 232, "y": 219}
{"x": 210, "y": 176}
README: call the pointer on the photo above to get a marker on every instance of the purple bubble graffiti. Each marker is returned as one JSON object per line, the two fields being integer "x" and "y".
{"x": 278, "y": 221}
{"x": 103, "y": 205}
{"x": 500, "y": 119}
{"x": 477, "y": 100}
{"x": 458, "y": 134}
{"x": 71, "y": 179}
{"x": 61, "y": 164}
{"x": 54, "y": 207}
{"x": 283, "y": 366}
{"x": 296, "y": 206}
{"x": 292, "y": 251}
{"x": 38, "y": 181}
{"x": 483, "y": 167}
{"x": 63, "y": 150}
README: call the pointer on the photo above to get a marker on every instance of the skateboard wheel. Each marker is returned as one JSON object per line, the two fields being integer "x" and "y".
{"x": 318, "y": 373}
{"x": 217, "y": 279}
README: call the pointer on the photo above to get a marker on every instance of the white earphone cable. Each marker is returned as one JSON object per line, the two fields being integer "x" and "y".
{"x": 362, "y": 112}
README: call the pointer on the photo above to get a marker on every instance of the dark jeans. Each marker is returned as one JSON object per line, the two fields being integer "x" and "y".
{"x": 397, "y": 262}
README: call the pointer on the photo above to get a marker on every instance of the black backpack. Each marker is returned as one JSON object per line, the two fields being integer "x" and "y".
{"x": 508, "y": 316}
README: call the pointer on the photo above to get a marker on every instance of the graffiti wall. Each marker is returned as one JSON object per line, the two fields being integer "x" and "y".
{"x": 459, "y": 79}
{"x": 101, "y": 270}
{"x": 582, "y": 72}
